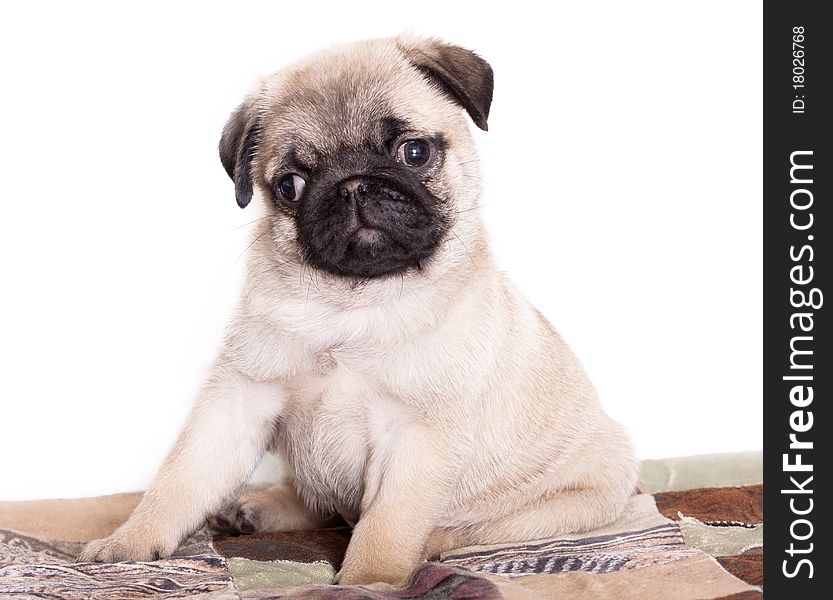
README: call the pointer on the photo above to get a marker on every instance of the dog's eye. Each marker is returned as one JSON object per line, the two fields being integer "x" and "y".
{"x": 414, "y": 153}
{"x": 291, "y": 187}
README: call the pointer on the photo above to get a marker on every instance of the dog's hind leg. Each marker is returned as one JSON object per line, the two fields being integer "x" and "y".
{"x": 275, "y": 508}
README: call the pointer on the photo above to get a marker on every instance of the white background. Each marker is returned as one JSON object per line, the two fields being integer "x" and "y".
{"x": 623, "y": 169}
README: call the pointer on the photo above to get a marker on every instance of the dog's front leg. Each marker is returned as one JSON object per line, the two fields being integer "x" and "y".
{"x": 226, "y": 432}
{"x": 407, "y": 487}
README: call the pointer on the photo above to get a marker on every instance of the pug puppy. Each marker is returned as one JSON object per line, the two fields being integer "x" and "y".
{"x": 412, "y": 390}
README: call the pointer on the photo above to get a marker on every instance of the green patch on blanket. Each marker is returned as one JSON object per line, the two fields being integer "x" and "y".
{"x": 251, "y": 574}
{"x": 711, "y": 470}
{"x": 721, "y": 541}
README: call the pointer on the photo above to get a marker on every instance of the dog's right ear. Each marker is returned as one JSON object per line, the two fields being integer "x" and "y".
{"x": 238, "y": 145}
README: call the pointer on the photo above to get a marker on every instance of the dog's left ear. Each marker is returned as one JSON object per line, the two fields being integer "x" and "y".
{"x": 237, "y": 148}
{"x": 460, "y": 73}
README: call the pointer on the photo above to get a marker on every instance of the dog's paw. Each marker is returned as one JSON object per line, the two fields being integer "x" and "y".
{"x": 123, "y": 546}
{"x": 237, "y": 518}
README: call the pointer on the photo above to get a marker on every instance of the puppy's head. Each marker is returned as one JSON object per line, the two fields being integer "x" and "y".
{"x": 362, "y": 153}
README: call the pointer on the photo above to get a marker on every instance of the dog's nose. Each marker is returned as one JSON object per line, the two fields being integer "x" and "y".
{"x": 356, "y": 186}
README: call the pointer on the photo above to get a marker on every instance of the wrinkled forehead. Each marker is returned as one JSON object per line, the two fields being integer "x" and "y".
{"x": 347, "y": 101}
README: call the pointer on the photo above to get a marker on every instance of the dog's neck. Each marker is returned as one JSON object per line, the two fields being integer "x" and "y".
{"x": 280, "y": 288}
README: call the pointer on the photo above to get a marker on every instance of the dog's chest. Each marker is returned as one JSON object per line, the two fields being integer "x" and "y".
{"x": 335, "y": 420}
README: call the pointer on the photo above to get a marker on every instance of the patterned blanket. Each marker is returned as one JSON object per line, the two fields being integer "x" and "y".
{"x": 696, "y": 532}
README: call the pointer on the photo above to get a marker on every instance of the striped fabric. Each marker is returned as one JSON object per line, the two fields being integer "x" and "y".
{"x": 602, "y": 554}
{"x": 30, "y": 567}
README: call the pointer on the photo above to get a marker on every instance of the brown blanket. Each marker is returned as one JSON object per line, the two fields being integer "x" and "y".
{"x": 699, "y": 543}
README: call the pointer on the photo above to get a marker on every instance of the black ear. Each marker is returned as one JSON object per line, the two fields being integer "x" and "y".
{"x": 237, "y": 148}
{"x": 460, "y": 73}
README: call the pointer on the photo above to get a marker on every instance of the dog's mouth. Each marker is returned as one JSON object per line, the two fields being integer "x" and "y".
{"x": 370, "y": 227}
{"x": 371, "y": 237}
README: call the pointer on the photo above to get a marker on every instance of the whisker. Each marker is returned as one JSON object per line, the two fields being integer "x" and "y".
{"x": 306, "y": 301}
{"x": 250, "y": 222}
{"x": 465, "y": 247}
{"x": 252, "y": 244}
{"x": 475, "y": 207}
